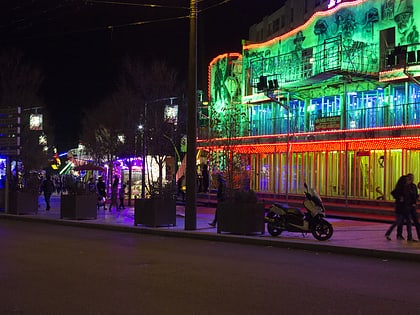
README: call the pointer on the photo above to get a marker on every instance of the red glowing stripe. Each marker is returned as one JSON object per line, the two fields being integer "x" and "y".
{"x": 320, "y": 146}
{"x": 305, "y": 134}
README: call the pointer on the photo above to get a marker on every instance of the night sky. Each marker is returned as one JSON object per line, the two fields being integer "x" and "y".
{"x": 73, "y": 42}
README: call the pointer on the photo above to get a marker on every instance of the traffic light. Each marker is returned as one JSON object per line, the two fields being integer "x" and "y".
{"x": 262, "y": 84}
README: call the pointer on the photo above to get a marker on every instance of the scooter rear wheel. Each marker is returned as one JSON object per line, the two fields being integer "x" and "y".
{"x": 322, "y": 230}
{"x": 273, "y": 229}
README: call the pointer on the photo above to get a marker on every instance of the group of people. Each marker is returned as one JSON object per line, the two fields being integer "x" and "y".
{"x": 203, "y": 182}
{"x": 47, "y": 188}
{"x": 115, "y": 193}
{"x": 406, "y": 195}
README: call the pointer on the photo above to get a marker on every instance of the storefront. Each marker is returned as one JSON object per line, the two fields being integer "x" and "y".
{"x": 334, "y": 103}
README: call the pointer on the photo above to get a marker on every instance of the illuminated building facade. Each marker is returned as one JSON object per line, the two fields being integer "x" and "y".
{"x": 334, "y": 102}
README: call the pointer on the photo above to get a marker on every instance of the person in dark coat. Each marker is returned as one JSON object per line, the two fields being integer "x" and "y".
{"x": 114, "y": 193}
{"x": 221, "y": 195}
{"x": 402, "y": 212}
{"x": 180, "y": 187}
{"x": 413, "y": 196}
{"x": 100, "y": 187}
{"x": 205, "y": 178}
{"x": 47, "y": 187}
{"x": 121, "y": 196}
{"x": 101, "y": 190}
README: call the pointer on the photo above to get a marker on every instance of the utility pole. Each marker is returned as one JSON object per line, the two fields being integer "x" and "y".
{"x": 190, "y": 205}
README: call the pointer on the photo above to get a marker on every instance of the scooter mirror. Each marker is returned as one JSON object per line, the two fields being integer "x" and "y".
{"x": 305, "y": 185}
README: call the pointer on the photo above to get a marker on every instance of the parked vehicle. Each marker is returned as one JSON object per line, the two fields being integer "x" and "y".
{"x": 281, "y": 217}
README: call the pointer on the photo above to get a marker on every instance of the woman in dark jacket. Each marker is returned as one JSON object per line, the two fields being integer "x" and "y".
{"x": 402, "y": 213}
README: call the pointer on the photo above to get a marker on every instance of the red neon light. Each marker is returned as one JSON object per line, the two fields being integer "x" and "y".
{"x": 319, "y": 146}
{"x": 305, "y": 134}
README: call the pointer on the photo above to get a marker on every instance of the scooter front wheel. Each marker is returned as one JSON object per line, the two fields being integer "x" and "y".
{"x": 273, "y": 229}
{"x": 322, "y": 230}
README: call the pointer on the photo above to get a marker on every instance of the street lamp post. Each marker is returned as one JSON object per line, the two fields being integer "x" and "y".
{"x": 144, "y": 154}
{"x": 287, "y": 108}
{"x": 190, "y": 206}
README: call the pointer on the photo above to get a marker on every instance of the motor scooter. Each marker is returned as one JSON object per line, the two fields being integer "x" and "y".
{"x": 281, "y": 217}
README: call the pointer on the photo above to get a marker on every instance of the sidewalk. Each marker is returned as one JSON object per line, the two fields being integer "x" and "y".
{"x": 355, "y": 237}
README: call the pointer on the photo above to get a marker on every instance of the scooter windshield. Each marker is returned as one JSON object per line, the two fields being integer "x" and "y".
{"x": 316, "y": 197}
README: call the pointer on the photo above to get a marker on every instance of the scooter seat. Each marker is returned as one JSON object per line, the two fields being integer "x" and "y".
{"x": 281, "y": 205}
{"x": 287, "y": 209}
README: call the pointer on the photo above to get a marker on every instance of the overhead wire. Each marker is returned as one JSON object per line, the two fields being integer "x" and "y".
{"x": 144, "y": 22}
{"x": 149, "y": 5}
{"x": 213, "y": 6}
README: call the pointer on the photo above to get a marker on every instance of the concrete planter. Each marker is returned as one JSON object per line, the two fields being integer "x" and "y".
{"x": 23, "y": 202}
{"x": 78, "y": 207}
{"x": 240, "y": 218}
{"x": 155, "y": 212}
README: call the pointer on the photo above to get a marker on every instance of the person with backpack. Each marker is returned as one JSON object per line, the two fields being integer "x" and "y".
{"x": 47, "y": 187}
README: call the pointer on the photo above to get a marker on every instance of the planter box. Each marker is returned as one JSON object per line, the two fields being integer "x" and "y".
{"x": 22, "y": 202}
{"x": 78, "y": 207}
{"x": 240, "y": 218}
{"x": 155, "y": 212}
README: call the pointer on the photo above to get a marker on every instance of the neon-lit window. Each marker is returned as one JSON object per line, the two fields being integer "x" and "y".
{"x": 297, "y": 123}
{"x": 414, "y": 105}
{"x": 367, "y": 109}
{"x": 398, "y": 109}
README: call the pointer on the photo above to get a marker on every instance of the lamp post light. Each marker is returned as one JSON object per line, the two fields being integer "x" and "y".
{"x": 139, "y": 130}
{"x": 271, "y": 96}
{"x": 143, "y": 157}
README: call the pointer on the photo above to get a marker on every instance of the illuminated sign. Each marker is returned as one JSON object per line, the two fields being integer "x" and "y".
{"x": 327, "y": 123}
{"x": 35, "y": 122}
{"x": 171, "y": 114}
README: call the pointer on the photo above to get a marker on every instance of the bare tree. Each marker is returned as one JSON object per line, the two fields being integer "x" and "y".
{"x": 134, "y": 101}
{"x": 20, "y": 84}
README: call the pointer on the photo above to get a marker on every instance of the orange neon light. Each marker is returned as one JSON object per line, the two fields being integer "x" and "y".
{"x": 303, "y": 26}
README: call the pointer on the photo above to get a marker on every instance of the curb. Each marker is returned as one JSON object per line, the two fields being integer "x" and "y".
{"x": 229, "y": 238}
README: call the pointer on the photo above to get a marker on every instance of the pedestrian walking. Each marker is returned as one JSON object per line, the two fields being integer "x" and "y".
{"x": 101, "y": 190}
{"x": 413, "y": 196}
{"x": 121, "y": 195}
{"x": 402, "y": 212}
{"x": 114, "y": 193}
{"x": 205, "y": 177}
{"x": 181, "y": 187}
{"x": 221, "y": 196}
{"x": 91, "y": 186}
{"x": 47, "y": 187}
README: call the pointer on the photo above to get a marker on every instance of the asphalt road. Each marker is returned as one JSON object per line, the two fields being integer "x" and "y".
{"x": 54, "y": 269}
